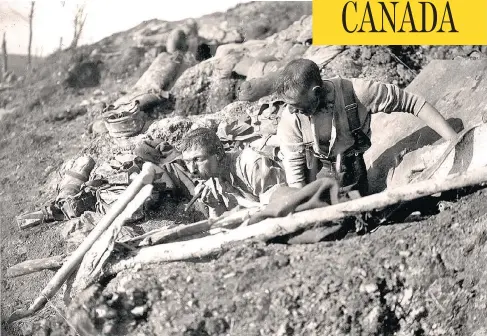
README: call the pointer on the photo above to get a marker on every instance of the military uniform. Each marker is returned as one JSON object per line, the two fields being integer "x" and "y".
{"x": 327, "y": 144}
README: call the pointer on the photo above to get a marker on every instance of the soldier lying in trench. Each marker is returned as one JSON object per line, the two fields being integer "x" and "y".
{"x": 200, "y": 166}
{"x": 248, "y": 177}
{"x": 223, "y": 180}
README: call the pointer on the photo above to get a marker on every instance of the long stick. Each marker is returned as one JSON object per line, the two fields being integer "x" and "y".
{"x": 4, "y": 54}
{"x": 29, "y": 48}
{"x": 35, "y": 265}
{"x": 274, "y": 227}
{"x": 146, "y": 176}
{"x": 90, "y": 268}
{"x": 229, "y": 222}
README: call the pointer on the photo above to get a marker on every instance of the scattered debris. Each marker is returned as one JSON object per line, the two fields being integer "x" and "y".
{"x": 209, "y": 87}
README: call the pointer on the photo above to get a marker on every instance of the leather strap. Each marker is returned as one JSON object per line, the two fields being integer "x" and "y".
{"x": 351, "y": 107}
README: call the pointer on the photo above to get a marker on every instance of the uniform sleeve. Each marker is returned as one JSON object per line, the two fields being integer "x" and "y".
{"x": 381, "y": 97}
{"x": 292, "y": 147}
{"x": 264, "y": 175}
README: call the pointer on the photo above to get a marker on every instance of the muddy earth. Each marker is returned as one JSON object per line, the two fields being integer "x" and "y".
{"x": 425, "y": 277}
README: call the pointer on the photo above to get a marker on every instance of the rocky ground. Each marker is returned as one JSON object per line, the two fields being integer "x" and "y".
{"x": 421, "y": 278}
{"x": 417, "y": 278}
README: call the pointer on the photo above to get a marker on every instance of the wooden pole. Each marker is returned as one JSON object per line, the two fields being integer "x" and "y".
{"x": 36, "y": 265}
{"x": 154, "y": 237}
{"x": 91, "y": 266}
{"x": 31, "y": 17}
{"x": 274, "y": 227}
{"x": 4, "y": 54}
{"x": 165, "y": 235}
{"x": 146, "y": 176}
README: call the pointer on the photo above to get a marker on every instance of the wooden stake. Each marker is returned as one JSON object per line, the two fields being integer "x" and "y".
{"x": 154, "y": 237}
{"x": 90, "y": 268}
{"x": 36, "y": 265}
{"x": 146, "y": 176}
{"x": 274, "y": 227}
{"x": 231, "y": 221}
{"x": 4, "y": 55}
{"x": 31, "y": 17}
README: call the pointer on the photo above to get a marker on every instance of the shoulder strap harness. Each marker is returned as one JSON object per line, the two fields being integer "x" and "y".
{"x": 362, "y": 141}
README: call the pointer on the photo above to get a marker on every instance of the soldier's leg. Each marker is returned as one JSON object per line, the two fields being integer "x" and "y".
{"x": 355, "y": 174}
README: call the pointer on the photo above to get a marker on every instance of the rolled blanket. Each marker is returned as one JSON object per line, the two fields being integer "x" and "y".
{"x": 285, "y": 200}
{"x": 72, "y": 199}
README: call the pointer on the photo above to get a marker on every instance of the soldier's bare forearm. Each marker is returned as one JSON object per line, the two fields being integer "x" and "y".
{"x": 430, "y": 115}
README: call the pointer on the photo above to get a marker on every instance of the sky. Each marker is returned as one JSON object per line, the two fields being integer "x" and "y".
{"x": 53, "y": 19}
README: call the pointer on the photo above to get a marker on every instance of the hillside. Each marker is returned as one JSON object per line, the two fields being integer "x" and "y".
{"x": 18, "y": 63}
{"x": 394, "y": 281}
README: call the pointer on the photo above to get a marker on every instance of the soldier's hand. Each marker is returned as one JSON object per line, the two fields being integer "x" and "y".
{"x": 214, "y": 193}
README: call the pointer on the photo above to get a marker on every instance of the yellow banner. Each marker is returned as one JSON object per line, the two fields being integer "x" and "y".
{"x": 400, "y": 22}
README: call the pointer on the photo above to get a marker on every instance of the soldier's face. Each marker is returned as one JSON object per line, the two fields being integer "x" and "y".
{"x": 200, "y": 164}
{"x": 303, "y": 101}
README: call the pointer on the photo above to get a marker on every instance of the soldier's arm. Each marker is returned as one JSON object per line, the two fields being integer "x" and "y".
{"x": 387, "y": 98}
{"x": 293, "y": 149}
{"x": 265, "y": 174}
{"x": 431, "y": 117}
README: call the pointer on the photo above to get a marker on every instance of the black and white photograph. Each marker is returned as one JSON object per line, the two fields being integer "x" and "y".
{"x": 206, "y": 168}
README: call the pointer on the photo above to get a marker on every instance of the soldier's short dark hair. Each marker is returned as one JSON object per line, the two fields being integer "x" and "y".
{"x": 203, "y": 138}
{"x": 298, "y": 75}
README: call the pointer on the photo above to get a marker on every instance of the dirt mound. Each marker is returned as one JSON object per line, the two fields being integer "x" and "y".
{"x": 422, "y": 278}
{"x": 396, "y": 64}
{"x": 122, "y": 54}
{"x": 123, "y": 58}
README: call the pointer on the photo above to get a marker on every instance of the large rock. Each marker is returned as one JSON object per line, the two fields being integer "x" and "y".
{"x": 456, "y": 88}
{"x": 207, "y": 87}
{"x": 221, "y": 34}
{"x": 468, "y": 154}
{"x": 322, "y": 55}
{"x": 248, "y": 47}
{"x": 260, "y": 69}
{"x": 299, "y": 31}
{"x": 261, "y": 58}
{"x": 273, "y": 53}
